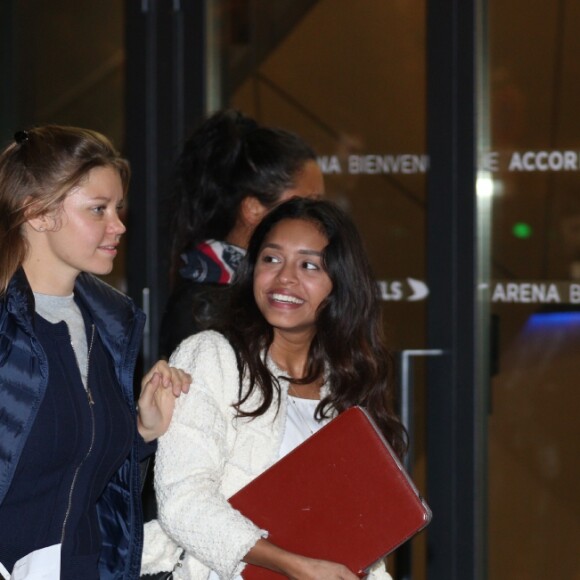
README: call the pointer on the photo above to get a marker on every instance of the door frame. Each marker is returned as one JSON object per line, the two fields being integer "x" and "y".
{"x": 166, "y": 80}
{"x": 456, "y": 382}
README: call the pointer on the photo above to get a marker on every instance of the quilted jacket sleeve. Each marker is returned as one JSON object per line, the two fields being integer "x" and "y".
{"x": 191, "y": 459}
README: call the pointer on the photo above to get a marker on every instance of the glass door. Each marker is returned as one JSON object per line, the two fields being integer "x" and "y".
{"x": 534, "y": 293}
{"x": 351, "y": 80}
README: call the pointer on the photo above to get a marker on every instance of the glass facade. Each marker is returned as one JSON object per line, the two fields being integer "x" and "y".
{"x": 360, "y": 102}
{"x": 534, "y": 160}
{"x": 351, "y": 78}
{"x": 358, "y": 98}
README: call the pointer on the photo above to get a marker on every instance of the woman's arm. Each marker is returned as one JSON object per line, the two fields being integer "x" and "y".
{"x": 192, "y": 456}
{"x": 295, "y": 566}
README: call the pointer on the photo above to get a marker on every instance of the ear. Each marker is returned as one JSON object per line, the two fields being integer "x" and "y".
{"x": 41, "y": 223}
{"x": 38, "y": 223}
{"x": 252, "y": 211}
{"x": 30, "y": 219}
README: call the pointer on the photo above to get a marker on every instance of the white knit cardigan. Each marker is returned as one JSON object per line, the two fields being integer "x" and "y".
{"x": 205, "y": 457}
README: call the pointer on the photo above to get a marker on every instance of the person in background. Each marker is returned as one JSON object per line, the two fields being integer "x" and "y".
{"x": 71, "y": 434}
{"x": 231, "y": 172}
{"x": 302, "y": 342}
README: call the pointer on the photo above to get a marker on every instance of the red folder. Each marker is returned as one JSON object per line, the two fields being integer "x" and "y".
{"x": 342, "y": 496}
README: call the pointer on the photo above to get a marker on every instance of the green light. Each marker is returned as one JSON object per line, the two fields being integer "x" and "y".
{"x": 522, "y": 230}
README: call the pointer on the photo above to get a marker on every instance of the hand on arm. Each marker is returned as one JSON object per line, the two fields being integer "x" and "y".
{"x": 159, "y": 389}
{"x": 295, "y": 566}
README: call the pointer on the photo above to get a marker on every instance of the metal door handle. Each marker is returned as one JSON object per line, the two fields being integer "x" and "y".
{"x": 406, "y": 407}
{"x": 406, "y": 411}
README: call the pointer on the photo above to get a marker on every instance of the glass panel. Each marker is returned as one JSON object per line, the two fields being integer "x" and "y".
{"x": 70, "y": 70}
{"x": 534, "y": 510}
{"x": 72, "y": 64}
{"x": 350, "y": 79}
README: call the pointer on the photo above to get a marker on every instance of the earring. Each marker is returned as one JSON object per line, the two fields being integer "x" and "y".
{"x": 41, "y": 228}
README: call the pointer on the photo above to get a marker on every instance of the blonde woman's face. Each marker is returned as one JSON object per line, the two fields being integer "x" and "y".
{"x": 82, "y": 235}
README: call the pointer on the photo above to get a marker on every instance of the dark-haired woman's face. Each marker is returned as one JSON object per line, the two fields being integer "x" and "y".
{"x": 290, "y": 281}
{"x": 309, "y": 182}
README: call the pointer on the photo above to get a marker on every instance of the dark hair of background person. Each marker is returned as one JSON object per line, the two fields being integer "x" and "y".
{"x": 229, "y": 157}
{"x": 348, "y": 345}
{"x": 37, "y": 172}
{"x": 230, "y": 173}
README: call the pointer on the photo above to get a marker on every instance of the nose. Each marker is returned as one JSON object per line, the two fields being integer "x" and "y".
{"x": 287, "y": 274}
{"x": 116, "y": 226}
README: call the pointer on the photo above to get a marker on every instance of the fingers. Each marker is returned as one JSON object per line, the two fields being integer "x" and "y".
{"x": 154, "y": 408}
{"x": 170, "y": 377}
{"x": 180, "y": 381}
{"x": 149, "y": 385}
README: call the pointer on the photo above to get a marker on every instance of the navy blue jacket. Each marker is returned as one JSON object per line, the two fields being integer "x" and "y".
{"x": 23, "y": 381}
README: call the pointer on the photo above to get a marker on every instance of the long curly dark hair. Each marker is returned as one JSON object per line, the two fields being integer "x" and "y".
{"x": 348, "y": 345}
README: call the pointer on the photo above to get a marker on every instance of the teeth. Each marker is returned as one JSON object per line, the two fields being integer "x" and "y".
{"x": 286, "y": 298}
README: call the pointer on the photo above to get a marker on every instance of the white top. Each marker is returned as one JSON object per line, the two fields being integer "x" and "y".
{"x": 300, "y": 423}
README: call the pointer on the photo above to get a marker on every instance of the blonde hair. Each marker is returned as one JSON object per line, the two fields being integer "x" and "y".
{"x": 37, "y": 171}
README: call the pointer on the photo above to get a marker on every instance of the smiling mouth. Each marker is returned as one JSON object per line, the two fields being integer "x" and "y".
{"x": 287, "y": 299}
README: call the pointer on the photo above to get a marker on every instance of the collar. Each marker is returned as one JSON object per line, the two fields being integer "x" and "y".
{"x": 211, "y": 261}
{"x": 19, "y": 297}
{"x": 112, "y": 311}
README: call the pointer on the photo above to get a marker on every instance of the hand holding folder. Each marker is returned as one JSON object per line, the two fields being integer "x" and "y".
{"x": 341, "y": 496}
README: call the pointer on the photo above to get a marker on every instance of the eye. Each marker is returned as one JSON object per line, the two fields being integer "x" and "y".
{"x": 270, "y": 259}
{"x": 99, "y": 209}
{"x": 311, "y": 266}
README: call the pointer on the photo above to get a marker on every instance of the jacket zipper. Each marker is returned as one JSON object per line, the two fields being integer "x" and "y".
{"x": 87, "y": 454}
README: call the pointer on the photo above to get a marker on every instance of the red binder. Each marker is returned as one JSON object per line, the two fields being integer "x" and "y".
{"x": 342, "y": 496}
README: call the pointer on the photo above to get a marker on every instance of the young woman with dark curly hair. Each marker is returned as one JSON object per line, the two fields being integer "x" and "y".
{"x": 302, "y": 343}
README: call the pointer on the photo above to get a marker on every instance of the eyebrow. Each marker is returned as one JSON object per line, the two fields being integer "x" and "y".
{"x": 304, "y": 251}
{"x": 104, "y": 198}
